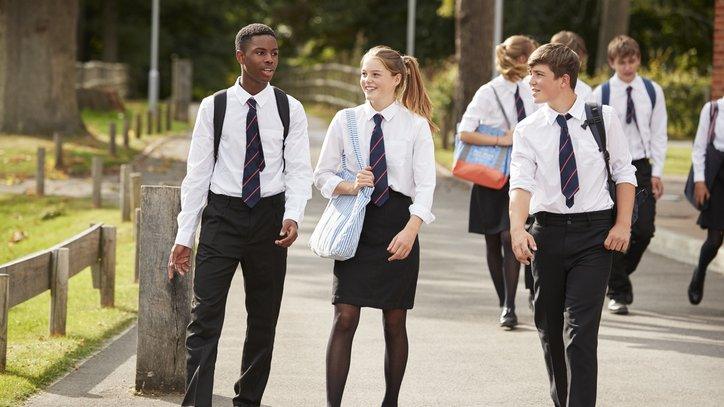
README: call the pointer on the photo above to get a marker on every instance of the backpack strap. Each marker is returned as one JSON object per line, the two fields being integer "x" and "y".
{"x": 283, "y": 109}
{"x": 219, "y": 113}
{"x": 594, "y": 119}
{"x": 651, "y": 91}
{"x": 606, "y": 93}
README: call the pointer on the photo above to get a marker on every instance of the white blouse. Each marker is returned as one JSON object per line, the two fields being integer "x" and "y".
{"x": 698, "y": 152}
{"x": 484, "y": 109}
{"x": 409, "y": 151}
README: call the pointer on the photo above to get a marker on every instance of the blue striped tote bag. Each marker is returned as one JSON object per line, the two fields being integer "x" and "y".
{"x": 336, "y": 236}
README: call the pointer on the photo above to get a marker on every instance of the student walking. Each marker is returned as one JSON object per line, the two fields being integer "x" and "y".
{"x": 707, "y": 159}
{"x": 394, "y": 127}
{"x": 249, "y": 176}
{"x": 640, "y": 105}
{"x": 558, "y": 174}
{"x": 500, "y": 104}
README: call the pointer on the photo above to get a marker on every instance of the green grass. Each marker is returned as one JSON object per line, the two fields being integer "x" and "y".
{"x": 34, "y": 358}
{"x": 18, "y": 152}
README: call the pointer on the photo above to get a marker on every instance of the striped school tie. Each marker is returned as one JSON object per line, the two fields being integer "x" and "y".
{"x": 630, "y": 111}
{"x": 378, "y": 162}
{"x": 519, "y": 107}
{"x": 567, "y": 162}
{"x": 254, "y": 160}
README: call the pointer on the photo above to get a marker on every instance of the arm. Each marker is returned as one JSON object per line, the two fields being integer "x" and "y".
{"x": 624, "y": 174}
{"x": 298, "y": 175}
{"x": 482, "y": 139}
{"x": 523, "y": 168}
{"x": 659, "y": 141}
{"x": 698, "y": 156}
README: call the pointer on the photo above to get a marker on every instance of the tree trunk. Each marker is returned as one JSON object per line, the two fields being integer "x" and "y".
{"x": 474, "y": 24}
{"x": 614, "y": 21}
{"x": 37, "y": 67}
{"x": 110, "y": 33}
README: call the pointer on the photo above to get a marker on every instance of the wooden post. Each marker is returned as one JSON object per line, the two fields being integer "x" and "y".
{"x": 124, "y": 192}
{"x": 126, "y": 128}
{"x": 158, "y": 116}
{"x": 137, "y": 236}
{"x": 4, "y": 308}
{"x": 40, "y": 174}
{"x": 97, "y": 175}
{"x": 181, "y": 84}
{"x": 138, "y": 126}
{"x": 96, "y": 267}
{"x": 160, "y": 298}
{"x": 112, "y": 140}
{"x": 169, "y": 116}
{"x": 58, "y": 143}
{"x": 149, "y": 122}
{"x": 108, "y": 266}
{"x": 135, "y": 192}
{"x": 59, "y": 290}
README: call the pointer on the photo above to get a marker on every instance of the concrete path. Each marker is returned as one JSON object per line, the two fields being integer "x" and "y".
{"x": 666, "y": 353}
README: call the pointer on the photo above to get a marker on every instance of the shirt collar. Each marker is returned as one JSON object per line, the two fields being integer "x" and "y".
{"x": 388, "y": 113}
{"x": 503, "y": 83}
{"x": 615, "y": 80}
{"x": 577, "y": 111}
{"x": 244, "y": 96}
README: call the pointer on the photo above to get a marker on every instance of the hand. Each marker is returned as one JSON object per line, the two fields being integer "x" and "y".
{"x": 288, "y": 233}
{"x": 401, "y": 244}
{"x": 523, "y": 245}
{"x": 701, "y": 193}
{"x": 179, "y": 261}
{"x": 618, "y": 238}
{"x": 657, "y": 187}
{"x": 365, "y": 178}
{"x": 507, "y": 139}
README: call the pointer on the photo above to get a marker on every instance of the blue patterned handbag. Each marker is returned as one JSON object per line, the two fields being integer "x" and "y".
{"x": 337, "y": 233}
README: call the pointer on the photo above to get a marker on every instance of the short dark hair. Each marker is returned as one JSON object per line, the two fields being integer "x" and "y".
{"x": 252, "y": 30}
{"x": 559, "y": 58}
{"x": 623, "y": 46}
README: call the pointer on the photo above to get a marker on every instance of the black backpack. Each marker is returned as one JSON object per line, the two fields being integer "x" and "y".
{"x": 220, "y": 111}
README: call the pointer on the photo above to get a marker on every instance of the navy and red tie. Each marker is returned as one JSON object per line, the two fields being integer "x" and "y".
{"x": 567, "y": 162}
{"x": 630, "y": 111}
{"x": 378, "y": 162}
{"x": 254, "y": 160}
{"x": 519, "y": 107}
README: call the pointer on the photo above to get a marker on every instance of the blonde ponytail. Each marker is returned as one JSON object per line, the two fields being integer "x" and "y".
{"x": 507, "y": 54}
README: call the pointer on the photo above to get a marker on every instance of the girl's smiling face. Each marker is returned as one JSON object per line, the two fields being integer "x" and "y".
{"x": 377, "y": 82}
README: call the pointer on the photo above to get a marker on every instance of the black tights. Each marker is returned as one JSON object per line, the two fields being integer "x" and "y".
{"x": 503, "y": 266}
{"x": 339, "y": 349}
{"x": 710, "y": 248}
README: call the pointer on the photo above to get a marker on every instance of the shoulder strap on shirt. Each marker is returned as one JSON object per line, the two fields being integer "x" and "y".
{"x": 502, "y": 109}
{"x": 594, "y": 119}
{"x": 283, "y": 109}
{"x": 606, "y": 93}
{"x": 219, "y": 113}
{"x": 651, "y": 91}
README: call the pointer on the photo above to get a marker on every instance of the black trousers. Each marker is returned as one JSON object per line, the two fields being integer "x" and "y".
{"x": 624, "y": 264}
{"x": 233, "y": 234}
{"x": 570, "y": 270}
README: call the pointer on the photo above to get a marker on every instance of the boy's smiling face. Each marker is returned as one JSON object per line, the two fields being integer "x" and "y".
{"x": 626, "y": 67}
{"x": 544, "y": 85}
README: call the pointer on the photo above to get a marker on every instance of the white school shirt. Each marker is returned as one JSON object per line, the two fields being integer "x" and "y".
{"x": 225, "y": 178}
{"x": 409, "y": 151}
{"x": 583, "y": 91}
{"x": 649, "y": 139}
{"x": 698, "y": 152}
{"x": 484, "y": 109}
{"x": 534, "y": 163}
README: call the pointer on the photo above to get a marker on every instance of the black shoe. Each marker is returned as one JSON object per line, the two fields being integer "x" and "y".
{"x": 696, "y": 287}
{"x": 508, "y": 319}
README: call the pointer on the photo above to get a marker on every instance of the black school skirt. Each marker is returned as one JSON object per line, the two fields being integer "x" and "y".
{"x": 488, "y": 210}
{"x": 368, "y": 279}
{"x": 713, "y": 216}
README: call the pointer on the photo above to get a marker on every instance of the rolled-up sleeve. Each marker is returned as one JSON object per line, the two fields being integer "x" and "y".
{"x": 199, "y": 168}
{"x": 298, "y": 172}
{"x": 522, "y": 163}
{"x": 622, "y": 171}
{"x": 475, "y": 111}
{"x": 330, "y": 159}
{"x": 698, "y": 152}
{"x": 424, "y": 172}
{"x": 659, "y": 137}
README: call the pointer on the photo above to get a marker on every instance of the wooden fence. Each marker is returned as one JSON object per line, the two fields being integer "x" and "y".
{"x": 27, "y": 277}
{"x": 336, "y": 85}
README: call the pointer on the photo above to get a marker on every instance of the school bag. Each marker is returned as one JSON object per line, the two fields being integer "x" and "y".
{"x": 337, "y": 233}
{"x": 713, "y": 160}
{"x": 488, "y": 166}
{"x": 606, "y": 92}
{"x": 594, "y": 119}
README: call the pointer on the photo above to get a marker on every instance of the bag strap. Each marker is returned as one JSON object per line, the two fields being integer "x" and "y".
{"x": 219, "y": 113}
{"x": 594, "y": 120}
{"x": 283, "y": 109}
{"x": 502, "y": 109}
{"x": 713, "y": 114}
{"x": 606, "y": 93}
{"x": 353, "y": 135}
{"x": 651, "y": 91}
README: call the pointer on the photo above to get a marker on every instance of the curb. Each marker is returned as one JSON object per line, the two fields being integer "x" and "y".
{"x": 665, "y": 242}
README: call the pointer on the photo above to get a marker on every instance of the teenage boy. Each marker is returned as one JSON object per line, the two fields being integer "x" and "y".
{"x": 559, "y": 175}
{"x": 640, "y": 105}
{"x": 249, "y": 166}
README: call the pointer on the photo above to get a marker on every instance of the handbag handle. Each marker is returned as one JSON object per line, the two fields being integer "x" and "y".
{"x": 353, "y": 135}
{"x": 502, "y": 109}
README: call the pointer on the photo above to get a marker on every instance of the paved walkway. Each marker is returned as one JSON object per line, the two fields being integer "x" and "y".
{"x": 666, "y": 353}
